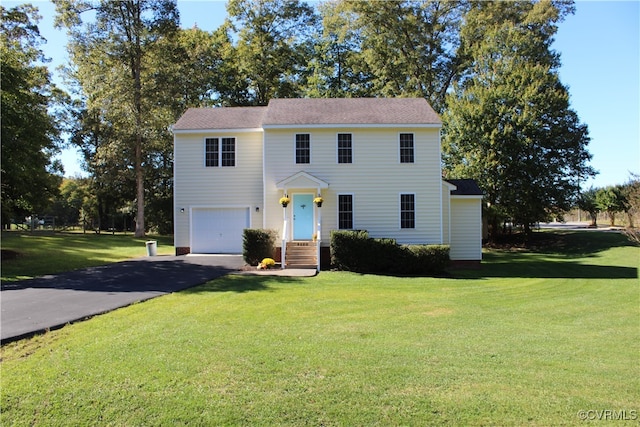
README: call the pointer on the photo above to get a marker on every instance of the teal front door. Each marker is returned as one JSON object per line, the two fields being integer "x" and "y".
{"x": 302, "y": 216}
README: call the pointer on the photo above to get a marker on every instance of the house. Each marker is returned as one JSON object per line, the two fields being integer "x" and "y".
{"x": 375, "y": 163}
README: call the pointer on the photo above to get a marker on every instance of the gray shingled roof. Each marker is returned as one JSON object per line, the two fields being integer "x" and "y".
{"x": 221, "y": 118}
{"x": 319, "y": 111}
{"x": 465, "y": 187}
{"x": 343, "y": 111}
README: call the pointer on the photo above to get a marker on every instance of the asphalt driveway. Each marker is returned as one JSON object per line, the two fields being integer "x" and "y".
{"x": 49, "y": 302}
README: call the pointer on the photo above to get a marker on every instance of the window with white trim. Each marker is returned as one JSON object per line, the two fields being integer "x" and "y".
{"x": 219, "y": 152}
{"x": 345, "y": 148}
{"x": 303, "y": 148}
{"x": 407, "y": 211}
{"x": 406, "y": 148}
{"x": 345, "y": 211}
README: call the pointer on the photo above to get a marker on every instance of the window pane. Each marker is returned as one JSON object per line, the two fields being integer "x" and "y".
{"x": 407, "y": 211}
{"x": 303, "y": 148}
{"x": 228, "y": 151}
{"x": 345, "y": 212}
{"x": 406, "y": 148}
{"x": 344, "y": 148}
{"x": 211, "y": 152}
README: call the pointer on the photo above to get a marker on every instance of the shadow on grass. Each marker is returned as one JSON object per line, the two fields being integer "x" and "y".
{"x": 241, "y": 283}
{"x": 554, "y": 255}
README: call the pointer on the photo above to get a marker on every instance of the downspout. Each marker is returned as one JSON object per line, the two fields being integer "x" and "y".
{"x": 440, "y": 177}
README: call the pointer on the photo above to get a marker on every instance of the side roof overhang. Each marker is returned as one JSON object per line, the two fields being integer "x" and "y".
{"x": 467, "y": 188}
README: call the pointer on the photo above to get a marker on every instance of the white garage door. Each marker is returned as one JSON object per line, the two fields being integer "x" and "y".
{"x": 218, "y": 231}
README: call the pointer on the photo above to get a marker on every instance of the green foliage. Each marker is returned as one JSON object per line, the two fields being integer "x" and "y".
{"x": 273, "y": 48}
{"x": 612, "y": 200}
{"x": 355, "y": 251}
{"x": 432, "y": 259}
{"x": 257, "y": 244}
{"x": 30, "y": 131}
{"x": 508, "y": 124}
{"x": 125, "y": 65}
{"x": 393, "y": 48}
{"x": 587, "y": 202}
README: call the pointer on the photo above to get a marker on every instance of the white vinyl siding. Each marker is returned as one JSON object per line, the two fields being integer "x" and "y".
{"x": 466, "y": 228}
{"x": 373, "y": 179}
{"x": 196, "y": 186}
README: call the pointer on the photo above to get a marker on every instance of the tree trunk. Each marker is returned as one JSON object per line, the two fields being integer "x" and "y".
{"x": 139, "y": 190}
{"x": 136, "y": 71}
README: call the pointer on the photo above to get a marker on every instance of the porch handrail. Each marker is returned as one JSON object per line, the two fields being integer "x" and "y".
{"x": 283, "y": 250}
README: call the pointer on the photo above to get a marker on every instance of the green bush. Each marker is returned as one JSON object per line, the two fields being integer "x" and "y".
{"x": 346, "y": 249}
{"x": 257, "y": 244}
{"x": 355, "y": 251}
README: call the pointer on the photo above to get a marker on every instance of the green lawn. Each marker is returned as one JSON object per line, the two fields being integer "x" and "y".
{"x": 532, "y": 338}
{"x": 38, "y": 253}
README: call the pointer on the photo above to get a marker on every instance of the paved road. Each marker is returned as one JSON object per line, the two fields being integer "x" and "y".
{"x": 49, "y": 302}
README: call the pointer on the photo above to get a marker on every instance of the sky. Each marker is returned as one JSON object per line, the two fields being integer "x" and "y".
{"x": 600, "y": 54}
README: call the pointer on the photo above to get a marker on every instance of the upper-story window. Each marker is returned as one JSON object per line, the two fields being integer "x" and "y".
{"x": 220, "y": 152}
{"x": 406, "y": 148}
{"x": 303, "y": 148}
{"x": 345, "y": 148}
{"x": 407, "y": 211}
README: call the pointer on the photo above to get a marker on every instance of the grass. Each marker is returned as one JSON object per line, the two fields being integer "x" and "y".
{"x": 532, "y": 338}
{"x": 36, "y": 254}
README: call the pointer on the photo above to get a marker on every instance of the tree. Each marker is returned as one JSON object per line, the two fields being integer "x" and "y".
{"x": 30, "y": 134}
{"x": 207, "y": 69}
{"x": 631, "y": 193}
{"x": 508, "y": 123}
{"x": 395, "y": 48}
{"x": 111, "y": 56}
{"x": 274, "y": 46}
{"x": 611, "y": 200}
{"x": 587, "y": 202}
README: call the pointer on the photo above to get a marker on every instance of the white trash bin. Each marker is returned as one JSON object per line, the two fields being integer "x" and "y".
{"x": 152, "y": 248}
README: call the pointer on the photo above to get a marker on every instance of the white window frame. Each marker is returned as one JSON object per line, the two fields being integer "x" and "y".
{"x": 353, "y": 210}
{"x": 415, "y": 210}
{"x": 295, "y": 148}
{"x": 413, "y": 148}
{"x": 219, "y": 155}
{"x": 338, "y": 148}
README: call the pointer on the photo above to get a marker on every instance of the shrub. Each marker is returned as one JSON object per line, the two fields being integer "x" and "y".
{"x": 257, "y": 244}
{"x": 347, "y": 248}
{"x": 355, "y": 251}
{"x": 428, "y": 259}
